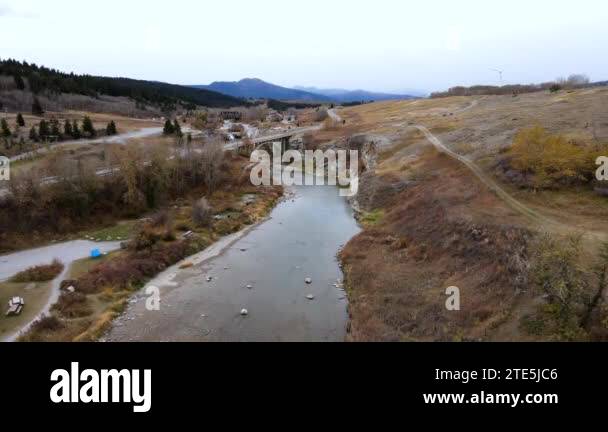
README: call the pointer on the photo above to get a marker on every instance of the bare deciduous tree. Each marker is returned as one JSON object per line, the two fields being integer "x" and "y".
{"x": 212, "y": 156}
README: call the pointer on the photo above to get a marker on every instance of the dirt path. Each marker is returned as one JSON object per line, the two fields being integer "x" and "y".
{"x": 472, "y": 105}
{"x": 516, "y": 205}
{"x": 335, "y": 117}
{"x": 67, "y": 253}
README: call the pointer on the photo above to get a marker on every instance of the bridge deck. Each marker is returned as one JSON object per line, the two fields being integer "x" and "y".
{"x": 270, "y": 138}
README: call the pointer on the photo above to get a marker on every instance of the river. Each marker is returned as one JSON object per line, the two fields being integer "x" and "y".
{"x": 262, "y": 270}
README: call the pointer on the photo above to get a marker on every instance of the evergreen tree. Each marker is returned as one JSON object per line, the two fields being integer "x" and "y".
{"x": 33, "y": 134}
{"x": 19, "y": 82}
{"x": 111, "y": 128}
{"x": 67, "y": 129}
{"x": 76, "y": 134}
{"x": 55, "y": 128}
{"x": 37, "y": 108}
{"x": 168, "y": 129}
{"x": 20, "y": 120}
{"x": 43, "y": 130}
{"x": 87, "y": 127}
{"x": 4, "y": 130}
{"x": 176, "y": 128}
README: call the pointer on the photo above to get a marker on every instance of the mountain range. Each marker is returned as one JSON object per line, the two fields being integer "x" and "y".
{"x": 253, "y": 88}
{"x": 342, "y": 95}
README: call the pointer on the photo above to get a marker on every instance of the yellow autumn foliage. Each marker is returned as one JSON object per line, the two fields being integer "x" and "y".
{"x": 551, "y": 158}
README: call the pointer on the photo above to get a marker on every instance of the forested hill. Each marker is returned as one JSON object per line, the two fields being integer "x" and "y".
{"x": 39, "y": 79}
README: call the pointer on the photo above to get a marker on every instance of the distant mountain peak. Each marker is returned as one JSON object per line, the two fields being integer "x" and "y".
{"x": 256, "y": 88}
{"x": 342, "y": 95}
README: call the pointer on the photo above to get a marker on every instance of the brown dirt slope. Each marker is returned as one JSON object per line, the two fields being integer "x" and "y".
{"x": 428, "y": 240}
{"x": 434, "y": 222}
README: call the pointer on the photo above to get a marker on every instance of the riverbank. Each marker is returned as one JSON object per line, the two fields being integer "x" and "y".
{"x": 283, "y": 272}
{"x": 421, "y": 237}
{"x": 103, "y": 291}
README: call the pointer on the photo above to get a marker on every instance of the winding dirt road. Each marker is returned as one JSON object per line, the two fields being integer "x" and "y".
{"x": 545, "y": 222}
{"x": 491, "y": 184}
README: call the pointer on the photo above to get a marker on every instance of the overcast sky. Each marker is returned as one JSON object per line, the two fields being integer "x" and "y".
{"x": 385, "y": 45}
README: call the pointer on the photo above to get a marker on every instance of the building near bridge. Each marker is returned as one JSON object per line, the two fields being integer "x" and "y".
{"x": 231, "y": 115}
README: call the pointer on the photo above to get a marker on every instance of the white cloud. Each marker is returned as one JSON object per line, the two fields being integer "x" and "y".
{"x": 8, "y": 12}
{"x": 377, "y": 45}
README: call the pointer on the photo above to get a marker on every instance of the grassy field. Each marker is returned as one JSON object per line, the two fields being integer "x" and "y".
{"x": 121, "y": 231}
{"x": 35, "y": 295}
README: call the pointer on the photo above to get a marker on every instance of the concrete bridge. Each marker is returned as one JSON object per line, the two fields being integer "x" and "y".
{"x": 285, "y": 137}
{"x": 266, "y": 142}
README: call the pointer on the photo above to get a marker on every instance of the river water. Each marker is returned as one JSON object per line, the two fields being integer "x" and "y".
{"x": 263, "y": 271}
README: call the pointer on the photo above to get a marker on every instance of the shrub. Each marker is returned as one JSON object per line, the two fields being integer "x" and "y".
{"x": 555, "y": 88}
{"x": 43, "y": 273}
{"x": 168, "y": 234}
{"x": 160, "y": 218}
{"x": 557, "y": 272}
{"x": 47, "y": 323}
{"x": 72, "y": 305}
{"x": 202, "y": 213}
{"x": 144, "y": 239}
{"x": 134, "y": 269}
{"x": 551, "y": 158}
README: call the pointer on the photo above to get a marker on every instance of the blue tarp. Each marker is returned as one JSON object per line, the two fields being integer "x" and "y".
{"x": 95, "y": 253}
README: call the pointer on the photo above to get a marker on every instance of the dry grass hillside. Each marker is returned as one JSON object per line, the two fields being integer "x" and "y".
{"x": 520, "y": 234}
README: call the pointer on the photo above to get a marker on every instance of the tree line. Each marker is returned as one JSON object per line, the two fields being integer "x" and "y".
{"x": 572, "y": 82}
{"x": 145, "y": 178}
{"x": 51, "y": 130}
{"x": 39, "y": 79}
